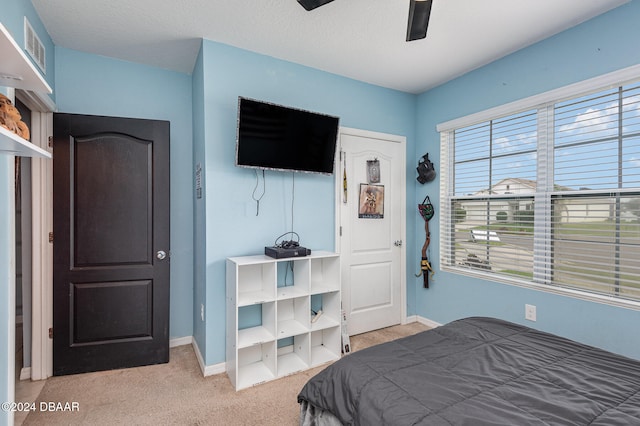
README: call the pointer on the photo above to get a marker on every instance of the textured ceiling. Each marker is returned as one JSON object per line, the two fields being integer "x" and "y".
{"x": 360, "y": 39}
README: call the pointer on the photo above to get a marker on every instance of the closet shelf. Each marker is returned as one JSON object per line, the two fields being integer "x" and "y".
{"x": 12, "y": 144}
{"x": 16, "y": 70}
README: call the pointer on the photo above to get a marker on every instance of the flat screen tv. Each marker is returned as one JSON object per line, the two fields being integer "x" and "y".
{"x": 276, "y": 137}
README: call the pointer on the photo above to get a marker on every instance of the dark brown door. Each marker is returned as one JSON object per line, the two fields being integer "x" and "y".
{"x": 111, "y": 243}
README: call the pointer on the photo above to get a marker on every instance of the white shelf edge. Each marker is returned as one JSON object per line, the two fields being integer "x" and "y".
{"x": 289, "y": 328}
{"x": 254, "y": 374}
{"x": 249, "y": 298}
{"x": 324, "y": 323}
{"x": 12, "y": 144}
{"x": 254, "y": 336}
{"x": 321, "y": 355}
{"x": 290, "y": 363}
{"x": 16, "y": 70}
{"x": 263, "y": 258}
{"x": 322, "y": 254}
{"x": 323, "y": 289}
{"x": 290, "y": 292}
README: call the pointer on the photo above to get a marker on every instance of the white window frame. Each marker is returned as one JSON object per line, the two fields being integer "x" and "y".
{"x": 544, "y": 103}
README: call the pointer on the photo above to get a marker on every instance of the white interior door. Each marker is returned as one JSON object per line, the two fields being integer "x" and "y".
{"x": 372, "y": 229}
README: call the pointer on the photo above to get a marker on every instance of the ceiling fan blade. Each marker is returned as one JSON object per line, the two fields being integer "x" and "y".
{"x": 312, "y": 4}
{"x": 419, "y": 12}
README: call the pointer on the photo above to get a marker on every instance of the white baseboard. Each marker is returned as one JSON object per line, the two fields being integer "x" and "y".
{"x": 421, "y": 320}
{"x": 427, "y": 322}
{"x": 207, "y": 370}
{"x": 180, "y": 341}
{"x": 25, "y": 373}
{"x": 196, "y": 349}
{"x": 410, "y": 319}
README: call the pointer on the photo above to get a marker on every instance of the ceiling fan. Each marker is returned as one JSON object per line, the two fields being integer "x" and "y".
{"x": 419, "y": 12}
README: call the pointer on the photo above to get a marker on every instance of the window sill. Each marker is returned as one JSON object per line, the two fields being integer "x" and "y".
{"x": 576, "y": 294}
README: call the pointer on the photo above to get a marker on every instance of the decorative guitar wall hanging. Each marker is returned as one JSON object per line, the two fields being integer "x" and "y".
{"x": 426, "y": 211}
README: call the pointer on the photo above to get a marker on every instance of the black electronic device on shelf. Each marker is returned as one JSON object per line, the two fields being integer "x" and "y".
{"x": 280, "y": 252}
{"x": 285, "y": 249}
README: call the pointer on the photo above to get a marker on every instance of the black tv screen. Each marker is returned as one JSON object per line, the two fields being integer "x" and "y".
{"x": 276, "y": 137}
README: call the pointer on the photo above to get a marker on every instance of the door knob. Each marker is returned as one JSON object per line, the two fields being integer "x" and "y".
{"x": 161, "y": 254}
{"x": 397, "y": 243}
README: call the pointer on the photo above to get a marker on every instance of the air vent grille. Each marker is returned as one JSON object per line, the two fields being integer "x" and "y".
{"x": 34, "y": 46}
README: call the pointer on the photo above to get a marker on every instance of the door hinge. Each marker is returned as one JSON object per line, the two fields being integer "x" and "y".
{"x": 50, "y": 332}
{"x": 50, "y": 141}
{"x": 341, "y": 231}
{"x": 50, "y": 237}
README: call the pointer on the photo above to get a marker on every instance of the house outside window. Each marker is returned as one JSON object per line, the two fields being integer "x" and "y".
{"x": 548, "y": 196}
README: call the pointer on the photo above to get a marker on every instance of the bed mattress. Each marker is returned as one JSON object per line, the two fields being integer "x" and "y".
{"x": 476, "y": 371}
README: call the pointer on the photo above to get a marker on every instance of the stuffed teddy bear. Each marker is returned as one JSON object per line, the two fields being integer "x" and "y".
{"x": 10, "y": 118}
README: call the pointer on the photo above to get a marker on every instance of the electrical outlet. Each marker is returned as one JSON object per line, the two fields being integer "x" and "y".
{"x": 530, "y": 312}
{"x": 202, "y": 312}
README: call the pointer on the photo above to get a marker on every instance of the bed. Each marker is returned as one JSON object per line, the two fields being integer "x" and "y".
{"x": 475, "y": 371}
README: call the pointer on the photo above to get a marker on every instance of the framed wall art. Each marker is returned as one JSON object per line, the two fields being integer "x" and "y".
{"x": 371, "y": 204}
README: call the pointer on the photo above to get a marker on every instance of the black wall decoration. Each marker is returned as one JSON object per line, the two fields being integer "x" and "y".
{"x": 426, "y": 171}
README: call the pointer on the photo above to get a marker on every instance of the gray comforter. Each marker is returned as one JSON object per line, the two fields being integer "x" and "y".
{"x": 479, "y": 371}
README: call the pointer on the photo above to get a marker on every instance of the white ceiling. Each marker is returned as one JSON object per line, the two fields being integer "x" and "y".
{"x": 360, "y": 39}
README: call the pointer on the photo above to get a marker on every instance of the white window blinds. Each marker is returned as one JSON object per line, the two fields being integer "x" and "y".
{"x": 549, "y": 195}
{"x": 596, "y": 203}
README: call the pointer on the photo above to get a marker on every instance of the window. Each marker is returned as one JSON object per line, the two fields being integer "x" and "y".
{"x": 549, "y": 195}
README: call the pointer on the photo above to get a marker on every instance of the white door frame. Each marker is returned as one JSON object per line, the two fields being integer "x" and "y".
{"x": 42, "y": 108}
{"x": 403, "y": 203}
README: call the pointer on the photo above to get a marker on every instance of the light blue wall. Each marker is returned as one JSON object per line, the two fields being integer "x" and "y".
{"x": 91, "y": 84}
{"x": 602, "y": 45}
{"x": 232, "y": 227}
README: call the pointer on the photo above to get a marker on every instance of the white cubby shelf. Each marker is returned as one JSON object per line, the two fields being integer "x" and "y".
{"x": 273, "y": 326}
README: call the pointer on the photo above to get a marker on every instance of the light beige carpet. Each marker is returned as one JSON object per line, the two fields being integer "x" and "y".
{"x": 176, "y": 393}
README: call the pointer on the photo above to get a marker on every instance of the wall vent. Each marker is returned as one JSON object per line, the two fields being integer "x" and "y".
{"x": 34, "y": 46}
